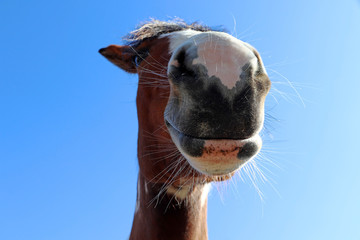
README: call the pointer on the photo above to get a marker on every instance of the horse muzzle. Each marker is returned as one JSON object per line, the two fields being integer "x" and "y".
{"x": 215, "y": 156}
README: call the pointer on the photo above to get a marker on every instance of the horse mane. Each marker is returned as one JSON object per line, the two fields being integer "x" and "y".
{"x": 155, "y": 28}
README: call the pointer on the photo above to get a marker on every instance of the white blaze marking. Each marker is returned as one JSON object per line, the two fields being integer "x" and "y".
{"x": 224, "y": 58}
{"x": 222, "y": 54}
{"x": 178, "y": 38}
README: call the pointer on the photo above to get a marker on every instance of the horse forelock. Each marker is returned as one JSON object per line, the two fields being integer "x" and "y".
{"x": 155, "y": 28}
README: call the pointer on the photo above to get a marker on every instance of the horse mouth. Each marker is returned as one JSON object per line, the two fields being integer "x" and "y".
{"x": 213, "y": 156}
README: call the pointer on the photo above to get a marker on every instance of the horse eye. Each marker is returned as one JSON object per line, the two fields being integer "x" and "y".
{"x": 137, "y": 60}
{"x": 139, "y": 57}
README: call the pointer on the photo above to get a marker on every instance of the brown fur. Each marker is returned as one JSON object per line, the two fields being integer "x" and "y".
{"x": 163, "y": 218}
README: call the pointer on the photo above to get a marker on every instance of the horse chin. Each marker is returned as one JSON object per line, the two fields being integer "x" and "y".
{"x": 215, "y": 157}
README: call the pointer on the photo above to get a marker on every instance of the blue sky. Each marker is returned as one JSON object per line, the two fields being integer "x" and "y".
{"x": 68, "y": 126}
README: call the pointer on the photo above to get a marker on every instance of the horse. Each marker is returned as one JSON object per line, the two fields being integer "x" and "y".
{"x": 200, "y": 106}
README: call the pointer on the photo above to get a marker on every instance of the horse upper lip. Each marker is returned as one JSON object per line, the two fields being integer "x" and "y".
{"x": 171, "y": 125}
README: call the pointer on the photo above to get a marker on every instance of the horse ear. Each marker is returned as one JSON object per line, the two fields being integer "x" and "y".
{"x": 121, "y": 56}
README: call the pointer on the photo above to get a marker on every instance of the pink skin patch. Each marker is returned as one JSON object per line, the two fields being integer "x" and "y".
{"x": 174, "y": 63}
{"x": 223, "y": 58}
{"x": 218, "y": 151}
{"x": 220, "y": 157}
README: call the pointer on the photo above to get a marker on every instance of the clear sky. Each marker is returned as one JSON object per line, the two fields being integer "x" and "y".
{"x": 68, "y": 126}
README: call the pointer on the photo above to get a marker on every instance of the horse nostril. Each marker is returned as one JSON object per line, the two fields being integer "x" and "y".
{"x": 181, "y": 57}
{"x": 179, "y": 66}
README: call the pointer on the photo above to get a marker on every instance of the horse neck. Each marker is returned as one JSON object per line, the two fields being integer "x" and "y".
{"x": 162, "y": 211}
{"x": 168, "y": 218}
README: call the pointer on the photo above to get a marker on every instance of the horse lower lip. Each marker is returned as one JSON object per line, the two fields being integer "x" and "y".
{"x": 221, "y": 150}
{"x": 215, "y": 156}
